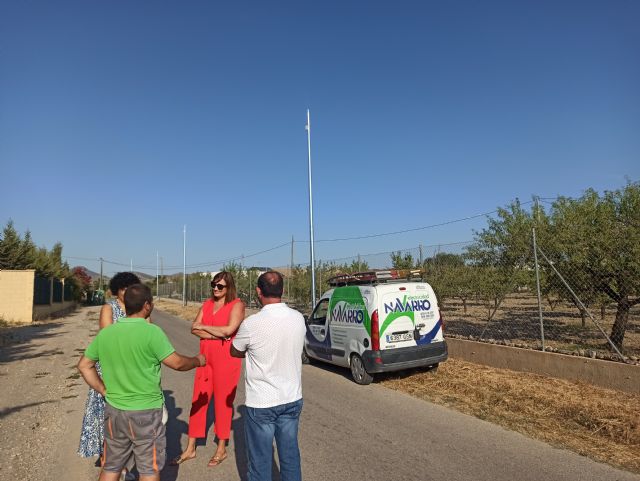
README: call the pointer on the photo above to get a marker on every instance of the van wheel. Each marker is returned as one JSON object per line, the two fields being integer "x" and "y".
{"x": 305, "y": 357}
{"x": 358, "y": 372}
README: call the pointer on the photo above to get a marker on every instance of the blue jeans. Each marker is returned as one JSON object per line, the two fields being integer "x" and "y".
{"x": 261, "y": 425}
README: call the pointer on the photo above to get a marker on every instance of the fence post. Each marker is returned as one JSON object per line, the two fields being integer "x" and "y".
{"x": 535, "y": 257}
{"x": 582, "y": 306}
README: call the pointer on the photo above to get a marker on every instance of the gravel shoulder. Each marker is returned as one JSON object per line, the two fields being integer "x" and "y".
{"x": 42, "y": 398}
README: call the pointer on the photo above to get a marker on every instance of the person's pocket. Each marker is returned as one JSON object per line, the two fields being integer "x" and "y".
{"x": 108, "y": 427}
{"x": 144, "y": 424}
{"x": 293, "y": 410}
{"x": 262, "y": 415}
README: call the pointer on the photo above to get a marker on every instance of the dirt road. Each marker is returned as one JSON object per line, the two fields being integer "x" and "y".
{"x": 42, "y": 399}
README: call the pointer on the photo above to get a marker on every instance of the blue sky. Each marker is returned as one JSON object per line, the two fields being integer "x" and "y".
{"x": 122, "y": 121}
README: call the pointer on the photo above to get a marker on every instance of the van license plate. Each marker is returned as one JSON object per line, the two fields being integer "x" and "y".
{"x": 405, "y": 336}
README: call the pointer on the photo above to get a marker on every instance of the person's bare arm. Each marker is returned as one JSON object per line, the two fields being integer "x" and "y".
{"x": 236, "y": 316}
{"x": 201, "y": 333}
{"x": 236, "y": 353}
{"x": 178, "y": 362}
{"x": 106, "y": 318}
{"x": 87, "y": 368}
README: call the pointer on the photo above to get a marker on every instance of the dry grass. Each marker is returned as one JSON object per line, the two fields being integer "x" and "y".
{"x": 177, "y": 309}
{"x": 599, "y": 423}
{"x": 188, "y": 312}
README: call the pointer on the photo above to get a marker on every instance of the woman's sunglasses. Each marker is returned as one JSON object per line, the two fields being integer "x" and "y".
{"x": 218, "y": 286}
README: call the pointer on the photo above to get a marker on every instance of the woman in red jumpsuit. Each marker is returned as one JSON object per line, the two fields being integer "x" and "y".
{"x": 215, "y": 325}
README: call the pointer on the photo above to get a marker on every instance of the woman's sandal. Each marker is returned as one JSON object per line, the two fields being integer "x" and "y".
{"x": 179, "y": 460}
{"x": 216, "y": 460}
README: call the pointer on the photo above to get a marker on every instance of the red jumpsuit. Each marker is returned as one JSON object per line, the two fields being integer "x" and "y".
{"x": 218, "y": 377}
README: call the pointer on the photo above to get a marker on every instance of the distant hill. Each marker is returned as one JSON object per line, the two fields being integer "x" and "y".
{"x": 96, "y": 275}
{"x": 144, "y": 277}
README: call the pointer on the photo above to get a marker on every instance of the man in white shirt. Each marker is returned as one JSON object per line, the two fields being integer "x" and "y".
{"x": 272, "y": 341}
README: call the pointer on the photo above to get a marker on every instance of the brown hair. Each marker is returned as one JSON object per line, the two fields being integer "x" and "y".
{"x": 135, "y": 297}
{"x": 231, "y": 285}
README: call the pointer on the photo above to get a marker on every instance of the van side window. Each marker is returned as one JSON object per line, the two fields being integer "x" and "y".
{"x": 319, "y": 315}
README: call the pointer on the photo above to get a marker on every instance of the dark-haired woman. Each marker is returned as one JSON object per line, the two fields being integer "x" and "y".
{"x": 215, "y": 325}
{"x": 92, "y": 434}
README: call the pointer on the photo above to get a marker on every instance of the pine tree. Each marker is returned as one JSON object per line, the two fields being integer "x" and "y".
{"x": 10, "y": 247}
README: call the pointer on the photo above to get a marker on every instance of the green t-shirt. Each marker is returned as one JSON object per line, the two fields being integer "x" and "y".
{"x": 130, "y": 352}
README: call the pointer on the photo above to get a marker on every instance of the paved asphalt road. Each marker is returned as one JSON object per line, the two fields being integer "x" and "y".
{"x": 369, "y": 433}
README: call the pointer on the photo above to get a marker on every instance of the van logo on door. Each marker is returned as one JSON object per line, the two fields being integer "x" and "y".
{"x": 348, "y": 313}
{"x": 413, "y": 305}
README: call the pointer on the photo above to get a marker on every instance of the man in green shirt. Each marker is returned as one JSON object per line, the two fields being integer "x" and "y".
{"x": 130, "y": 353}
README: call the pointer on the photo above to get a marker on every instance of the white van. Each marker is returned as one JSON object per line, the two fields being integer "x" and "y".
{"x": 375, "y": 322}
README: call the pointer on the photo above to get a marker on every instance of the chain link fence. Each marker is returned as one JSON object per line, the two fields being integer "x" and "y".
{"x": 558, "y": 304}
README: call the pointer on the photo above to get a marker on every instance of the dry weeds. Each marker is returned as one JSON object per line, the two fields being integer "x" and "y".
{"x": 599, "y": 423}
{"x": 188, "y": 312}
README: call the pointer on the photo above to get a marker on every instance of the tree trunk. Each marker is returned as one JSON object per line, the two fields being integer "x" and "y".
{"x": 620, "y": 324}
{"x": 583, "y": 316}
{"x": 464, "y": 304}
{"x": 603, "y": 311}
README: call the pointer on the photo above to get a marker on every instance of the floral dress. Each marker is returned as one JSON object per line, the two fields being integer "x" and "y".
{"x": 92, "y": 434}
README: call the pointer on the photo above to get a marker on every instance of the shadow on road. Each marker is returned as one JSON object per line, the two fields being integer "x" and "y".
{"x": 15, "y": 409}
{"x": 18, "y": 343}
{"x": 346, "y": 373}
{"x": 175, "y": 429}
{"x": 325, "y": 366}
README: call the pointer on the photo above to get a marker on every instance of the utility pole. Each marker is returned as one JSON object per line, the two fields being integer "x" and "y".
{"x": 421, "y": 257}
{"x": 157, "y": 275}
{"x": 101, "y": 261}
{"x": 184, "y": 266}
{"x": 131, "y": 265}
{"x": 312, "y": 263}
{"x": 290, "y": 273}
{"x": 320, "y": 279}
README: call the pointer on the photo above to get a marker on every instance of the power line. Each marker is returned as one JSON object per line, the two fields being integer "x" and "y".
{"x": 484, "y": 214}
{"x": 288, "y": 243}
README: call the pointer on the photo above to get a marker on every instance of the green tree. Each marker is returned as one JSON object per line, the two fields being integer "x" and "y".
{"x": 402, "y": 261}
{"x": 446, "y": 274}
{"x": 598, "y": 242}
{"x": 10, "y": 247}
{"x": 357, "y": 265}
{"x": 593, "y": 241}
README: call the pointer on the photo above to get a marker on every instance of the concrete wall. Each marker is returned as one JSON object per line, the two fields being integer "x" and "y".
{"x": 16, "y": 299}
{"x": 607, "y": 374}
{"x": 55, "y": 309}
{"x": 16, "y": 295}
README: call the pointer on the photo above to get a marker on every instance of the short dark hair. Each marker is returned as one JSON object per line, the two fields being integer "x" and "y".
{"x": 271, "y": 284}
{"x": 135, "y": 297}
{"x": 122, "y": 280}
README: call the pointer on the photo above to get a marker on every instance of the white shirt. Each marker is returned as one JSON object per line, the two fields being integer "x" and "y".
{"x": 273, "y": 339}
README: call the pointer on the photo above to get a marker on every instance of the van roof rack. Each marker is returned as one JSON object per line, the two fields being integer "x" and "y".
{"x": 375, "y": 277}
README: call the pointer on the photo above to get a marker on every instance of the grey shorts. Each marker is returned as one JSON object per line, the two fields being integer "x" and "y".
{"x": 140, "y": 434}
